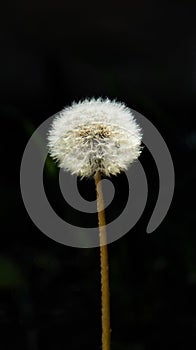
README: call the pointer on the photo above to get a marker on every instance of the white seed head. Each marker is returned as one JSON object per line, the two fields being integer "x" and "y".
{"x": 95, "y": 135}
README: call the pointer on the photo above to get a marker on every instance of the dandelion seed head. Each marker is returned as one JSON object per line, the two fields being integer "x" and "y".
{"x": 95, "y": 135}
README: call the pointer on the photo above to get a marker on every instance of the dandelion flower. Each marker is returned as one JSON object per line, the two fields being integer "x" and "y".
{"x": 95, "y": 135}
{"x": 91, "y": 138}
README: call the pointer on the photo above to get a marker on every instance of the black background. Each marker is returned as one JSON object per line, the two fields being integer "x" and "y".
{"x": 144, "y": 54}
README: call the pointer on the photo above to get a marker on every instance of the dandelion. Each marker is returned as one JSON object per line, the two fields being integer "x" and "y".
{"x": 95, "y": 138}
{"x": 95, "y": 135}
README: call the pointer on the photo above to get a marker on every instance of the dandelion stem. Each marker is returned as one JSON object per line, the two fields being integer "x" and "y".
{"x": 104, "y": 265}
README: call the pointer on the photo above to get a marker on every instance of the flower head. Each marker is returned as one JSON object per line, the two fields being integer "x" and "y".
{"x": 95, "y": 135}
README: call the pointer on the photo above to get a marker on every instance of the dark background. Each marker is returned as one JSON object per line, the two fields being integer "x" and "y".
{"x": 144, "y": 54}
